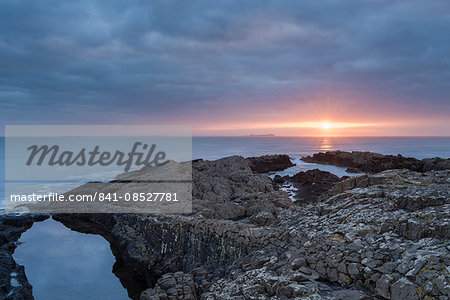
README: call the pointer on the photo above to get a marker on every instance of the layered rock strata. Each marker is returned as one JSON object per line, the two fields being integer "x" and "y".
{"x": 383, "y": 235}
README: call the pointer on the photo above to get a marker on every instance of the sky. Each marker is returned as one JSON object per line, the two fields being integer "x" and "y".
{"x": 285, "y": 67}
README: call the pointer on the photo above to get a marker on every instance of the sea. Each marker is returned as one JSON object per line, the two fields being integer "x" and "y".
{"x": 63, "y": 264}
{"x": 211, "y": 148}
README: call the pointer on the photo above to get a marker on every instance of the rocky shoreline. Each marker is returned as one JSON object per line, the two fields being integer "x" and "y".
{"x": 309, "y": 186}
{"x": 13, "y": 281}
{"x": 375, "y": 236}
{"x": 268, "y": 163}
{"x": 358, "y": 161}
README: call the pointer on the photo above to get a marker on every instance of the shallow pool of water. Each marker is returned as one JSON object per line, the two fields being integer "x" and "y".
{"x": 64, "y": 264}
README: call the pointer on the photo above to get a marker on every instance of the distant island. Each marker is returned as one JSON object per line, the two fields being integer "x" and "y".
{"x": 258, "y": 135}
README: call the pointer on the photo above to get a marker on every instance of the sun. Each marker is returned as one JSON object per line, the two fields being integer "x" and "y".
{"x": 326, "y": 125}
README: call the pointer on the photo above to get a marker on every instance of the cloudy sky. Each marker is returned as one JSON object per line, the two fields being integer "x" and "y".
{"x": 229, "y": 67}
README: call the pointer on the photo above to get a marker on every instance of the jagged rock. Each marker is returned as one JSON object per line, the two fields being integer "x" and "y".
{"x": 278, "y": 179}
{"x": 404, "y": 289}
{"x": 349, "y": 295}
{"x": 228, "y": 189}
{"x": 356, "y": 238}
{"x": 263, "y": 218}
{"x": 435, "y": 164}
{"x": 383, "y": 284}
{"x": 299, "y": 262}
{"x": 386, "y": 233}
{"x": 268, "y": 163}
{"x": 353, "y": 170}
{"x": 353, "y": 269}
{"x": 312, "y": 184}
{"x": 172, "y": 286}
{"x": 13, "y": 281}
{"x": 374, "y": 162}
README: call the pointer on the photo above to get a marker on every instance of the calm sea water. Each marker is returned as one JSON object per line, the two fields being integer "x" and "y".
{"x": 62, "y": 264}
{"x": 297, "y": 147}
{"x": 418, "y": 147}
{"x": 217, "y": 147}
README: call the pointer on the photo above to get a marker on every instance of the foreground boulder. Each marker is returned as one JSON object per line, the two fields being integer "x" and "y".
{"x": 268, "y": 163}
{"x": 228, "y": 189}
{"x": 374, "y": 162}
{"x": 312, "y": 184}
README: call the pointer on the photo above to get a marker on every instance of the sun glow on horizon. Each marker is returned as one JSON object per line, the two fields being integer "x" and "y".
{"x": 321, "y": 127}
{"x": 318, "y": 127}
{"x": 326, "y": 125}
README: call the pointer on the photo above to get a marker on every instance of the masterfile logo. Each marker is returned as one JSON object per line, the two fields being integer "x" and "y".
{"x": 110, "y": 168}
{"x": 68, "y": 158}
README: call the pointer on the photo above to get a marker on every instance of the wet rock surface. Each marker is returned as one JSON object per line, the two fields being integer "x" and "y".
{"x": 268, "y": 163}
{"x": 312, "y": 184}
{"x": 13, "y": 281}
{"x": 373, "y": 162}
{"x": 382, "y": 236}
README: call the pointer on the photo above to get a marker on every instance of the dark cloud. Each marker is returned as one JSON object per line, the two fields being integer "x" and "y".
{"x": 110, "y": 61}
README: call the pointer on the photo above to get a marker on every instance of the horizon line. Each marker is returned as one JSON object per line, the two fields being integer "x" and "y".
{"x": 321, "y": 136}
{"x": 329, "y": 136}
